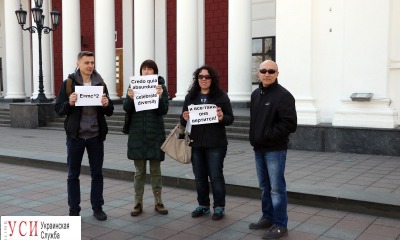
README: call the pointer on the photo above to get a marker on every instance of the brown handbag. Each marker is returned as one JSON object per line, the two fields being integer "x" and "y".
{"x": 177, "y": 145}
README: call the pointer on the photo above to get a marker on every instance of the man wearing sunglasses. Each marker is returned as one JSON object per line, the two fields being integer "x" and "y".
{"x": 272, "y": 118}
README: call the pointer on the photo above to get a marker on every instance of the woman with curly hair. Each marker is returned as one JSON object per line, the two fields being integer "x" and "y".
{"x": 209, "y": 141}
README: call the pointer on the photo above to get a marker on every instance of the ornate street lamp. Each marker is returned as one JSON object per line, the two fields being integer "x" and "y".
{"x": 38, "y": 17}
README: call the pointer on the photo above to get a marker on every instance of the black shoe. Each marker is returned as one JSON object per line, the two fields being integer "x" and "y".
{"x": 73, "y": 213}
{"x": 218, "y": 214}
{"x": 200, "y": 211}
{"x": 275, "y": 232}
{"x": 262, "y": 223}
{"x": 99, "y": 214}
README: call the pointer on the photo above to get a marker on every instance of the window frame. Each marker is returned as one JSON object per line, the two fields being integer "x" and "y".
{"x": 264, "y": 54}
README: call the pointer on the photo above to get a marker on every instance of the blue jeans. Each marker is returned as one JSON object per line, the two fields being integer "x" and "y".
{"x": 209, "y": 163}
{"x": 95, "y": 150}
{"x": 270, "y": 168}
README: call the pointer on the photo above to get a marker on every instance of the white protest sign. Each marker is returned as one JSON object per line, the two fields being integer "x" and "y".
{"x": 203, "y": 114}
{"x": 145, "y": 94}
{"x": 88, "y": 95}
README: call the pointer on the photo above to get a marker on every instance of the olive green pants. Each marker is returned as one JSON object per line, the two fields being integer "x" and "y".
{"x": 140, "y": 180}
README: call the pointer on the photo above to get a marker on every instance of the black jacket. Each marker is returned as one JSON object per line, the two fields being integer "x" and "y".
{"x": 213, "y": 134}
{"x": 272, "y": 117}
{"x": 72, "y": 121}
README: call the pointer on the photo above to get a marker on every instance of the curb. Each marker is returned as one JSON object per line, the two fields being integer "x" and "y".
{"x": 301, "y": 198}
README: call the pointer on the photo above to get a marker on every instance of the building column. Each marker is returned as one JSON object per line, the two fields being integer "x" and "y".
{"x": 127, "y": 31}
{"x": 71, "y": 36}
{"x": 14, "y": 53}
{"x": 239, "y": 50}
{"x": 144, "y": 32}
{"x": 160, "y": 30}
{"x": 294, "y": 21}
{"x": 394, "y": 52}
{"x": 104, "y": 30}
{"x": 379, "y": 111}
{"x": 186, "y": 45}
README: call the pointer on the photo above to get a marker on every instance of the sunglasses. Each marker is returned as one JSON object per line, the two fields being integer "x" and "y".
{"x": 269, "y": 71}
{"x": 207, "y": 77}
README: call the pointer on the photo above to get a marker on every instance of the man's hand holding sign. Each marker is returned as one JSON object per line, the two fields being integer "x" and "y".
{"x": 145, "y": 92}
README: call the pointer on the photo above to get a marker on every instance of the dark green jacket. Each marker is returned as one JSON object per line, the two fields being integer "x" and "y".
{"x": 146, "y": 129}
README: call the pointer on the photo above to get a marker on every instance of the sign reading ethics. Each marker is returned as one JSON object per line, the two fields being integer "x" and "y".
{"x": 145, "y": 95}
{"x": 203, "y": 114}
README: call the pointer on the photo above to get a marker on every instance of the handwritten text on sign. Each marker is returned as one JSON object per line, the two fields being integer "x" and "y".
{"x": 88, "y": 95}
{"x": 203, "y": 114}
{"x": 145, "y": 95}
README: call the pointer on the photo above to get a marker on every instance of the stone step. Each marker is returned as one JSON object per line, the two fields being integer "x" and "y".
{"x": 5, "y": 117}
{"x": 239, "y": 130}
{"x": 240, "y": 125}
{"x": 117, "y": 131}
{"x": 5, "y": 121}
{"x": 116, "y": 126}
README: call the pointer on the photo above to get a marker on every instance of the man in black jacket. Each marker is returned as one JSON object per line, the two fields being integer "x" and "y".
{"x": 272, "y": 118}
{"x": 86, "y": 128}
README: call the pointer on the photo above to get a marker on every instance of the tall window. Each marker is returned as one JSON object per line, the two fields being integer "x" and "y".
{"x": 263, "y": 49}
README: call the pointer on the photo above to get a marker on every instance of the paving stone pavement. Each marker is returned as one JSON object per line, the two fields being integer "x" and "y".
{"x": 31, "y": 191}
{"x": 331, "y": 195}
{"x": 354, "y": 182}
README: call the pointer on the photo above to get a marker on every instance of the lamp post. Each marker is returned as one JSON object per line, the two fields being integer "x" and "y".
{"x": 38, "y": 17}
